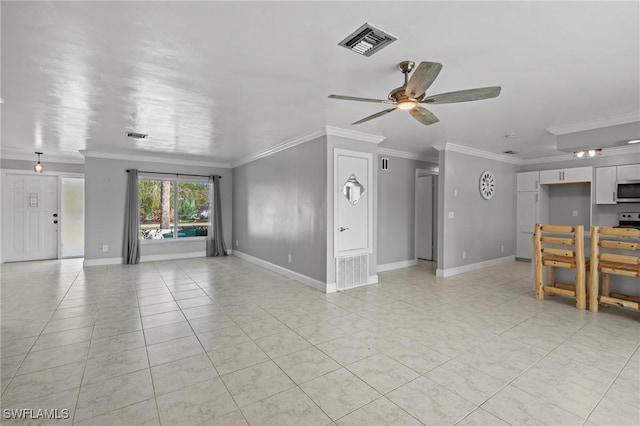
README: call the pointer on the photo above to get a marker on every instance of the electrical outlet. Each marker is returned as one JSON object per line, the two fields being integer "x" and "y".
{"x": 455, "y": 192}
{"x": 451, "y": 215}
{"x": 502, "y": 249}
{"x": 289, "y": 257}
{"x": 237, "y": 243}
{"x": 575, "y": 213}
{"x": 105, "y": 248}
{"x": 464, "y": 254}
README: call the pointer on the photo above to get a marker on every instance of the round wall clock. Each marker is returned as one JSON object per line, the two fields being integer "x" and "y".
{"x": 487, "y": 184}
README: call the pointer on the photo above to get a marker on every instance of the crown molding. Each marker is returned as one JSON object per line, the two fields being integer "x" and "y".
{"x": 152, "y": 159}
{"x": 615, "y": 120}
{"x": 352, "y": 134}
{"x": 482, "y": 154}
{"x": 45, "y": 158}
{"x": 280, "y": 147}
{"x": 404, "y": 154}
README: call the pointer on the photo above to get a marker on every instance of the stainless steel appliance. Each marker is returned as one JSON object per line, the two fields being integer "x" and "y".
{"x": 629, "y": 220}
{"x": 628, "y": 191}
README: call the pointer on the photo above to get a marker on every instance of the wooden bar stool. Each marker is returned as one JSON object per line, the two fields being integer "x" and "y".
{"x": 560, "y": 251}
{"x": 621, "y": 257}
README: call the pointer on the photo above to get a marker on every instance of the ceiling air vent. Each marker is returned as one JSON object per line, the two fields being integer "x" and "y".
{"x": 510, "y": 152}
{"x": 135, "y": 135}
{"x": 367, "y": 40}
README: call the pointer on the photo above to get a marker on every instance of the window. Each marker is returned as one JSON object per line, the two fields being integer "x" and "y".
{"x": 173, "y": 208}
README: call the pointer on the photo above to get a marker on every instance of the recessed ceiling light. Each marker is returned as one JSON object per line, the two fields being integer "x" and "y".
{"x": 634, "y": 141}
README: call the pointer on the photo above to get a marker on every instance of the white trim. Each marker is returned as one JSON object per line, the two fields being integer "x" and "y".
{"x": 45, "y": 173}
{"x": 396, "y": 265}
{"x": 153, "y": 159}
{"x": 332, "y": 287}
{"x": 473, "y": 266}
{"x": 45, "y": 158}
{"x": 352, "y": 134}
{"x": 280, "y": 147}
{"x": 482, "y": 154}
{"x": 171, "y": 256}
{"x": 405, "y": 154}
{"x": 103, "y": 261}
{"x": 311, "y": 282}
{"x": 630, "y": 117}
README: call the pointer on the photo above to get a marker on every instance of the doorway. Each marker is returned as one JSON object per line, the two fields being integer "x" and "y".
{"x": 426, "y": 199}
{"x": 43, "y": 217}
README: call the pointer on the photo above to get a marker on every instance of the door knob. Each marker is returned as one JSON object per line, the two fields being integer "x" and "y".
{"x": 55, "y": 221}
{"x": 55, "y": 215}
{"x": 343, "y": 229}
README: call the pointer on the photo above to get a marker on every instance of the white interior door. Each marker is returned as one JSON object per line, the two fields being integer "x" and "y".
{"x": 424, "y": 219}
{"x": 30, "y": 231}
{"x": 353, "y": 203}
{"x": 526, "y": 221}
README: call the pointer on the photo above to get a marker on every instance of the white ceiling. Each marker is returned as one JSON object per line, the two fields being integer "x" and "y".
{"x": 219, "y": 81}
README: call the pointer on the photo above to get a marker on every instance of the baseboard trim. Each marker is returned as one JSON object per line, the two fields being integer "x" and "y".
{"x": 171, "y": 256}
{"x": 332, "y": 287}
{"x": 102, "y": 262}
{"x": 373, "y": 279}
{"x": 473, "y": 266}
{"x": 396, "y": 265}
{"x": 303, "y": 279}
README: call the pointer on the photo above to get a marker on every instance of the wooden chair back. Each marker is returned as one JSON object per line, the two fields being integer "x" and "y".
{"x": 560, "y": 246}
{"x": 614, "y": 251}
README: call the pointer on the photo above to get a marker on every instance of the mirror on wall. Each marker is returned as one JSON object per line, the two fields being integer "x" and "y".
{"x": 353, "y": 190}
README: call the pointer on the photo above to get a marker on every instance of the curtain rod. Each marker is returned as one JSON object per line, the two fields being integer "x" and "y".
{"x": 177, "y": 174}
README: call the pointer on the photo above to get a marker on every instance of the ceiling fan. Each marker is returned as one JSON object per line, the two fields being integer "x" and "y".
{"x": 412, "y": 93}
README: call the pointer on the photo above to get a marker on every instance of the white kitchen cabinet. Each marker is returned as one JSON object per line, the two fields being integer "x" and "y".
{"x": 527, "y": 181}
{"x": 570, "y": 175}
{"x": 629, "y": 172}
{"x": 606, "y": 185}
{"x": 531, "y": 208}
{"x": 528, "y": 213}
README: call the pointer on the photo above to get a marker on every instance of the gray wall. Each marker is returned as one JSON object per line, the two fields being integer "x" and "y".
{"x": 105, "y": 192}
{"x": 280, "y": 205}
{"x": 567, "y": 198}
{"x": 48, "y": 166}
{"x": 480, "y": 226}
{"x": 396, "y": 209}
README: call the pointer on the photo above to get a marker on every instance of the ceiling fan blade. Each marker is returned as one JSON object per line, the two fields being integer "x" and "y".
{"x": 376, "y": 115}
{"x": 423, "y": 115}
{"x": 463, "y": 95}
{"x": 422, "y": 78}
{"x": 353, "y": 98}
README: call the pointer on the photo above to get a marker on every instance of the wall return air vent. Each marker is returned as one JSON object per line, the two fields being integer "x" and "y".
{"x": 367, "y": 40}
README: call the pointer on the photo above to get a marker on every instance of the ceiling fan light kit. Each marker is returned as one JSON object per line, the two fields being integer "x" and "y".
{"x": 413, "y": 92}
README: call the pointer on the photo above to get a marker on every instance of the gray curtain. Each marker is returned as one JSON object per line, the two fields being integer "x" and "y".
{"x": 215, "y": 239}
{"x": 131, "y": 220}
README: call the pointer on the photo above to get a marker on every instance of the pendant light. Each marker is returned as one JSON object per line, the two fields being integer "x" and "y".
{"x": 38, "y": 167}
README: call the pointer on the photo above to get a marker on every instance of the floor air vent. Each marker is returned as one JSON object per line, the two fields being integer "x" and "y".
{"x": 367, "y": 40}
{"x": 352, "y": 271}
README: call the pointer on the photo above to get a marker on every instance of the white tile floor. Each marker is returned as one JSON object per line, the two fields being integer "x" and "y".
{"x": 221, "y": 341}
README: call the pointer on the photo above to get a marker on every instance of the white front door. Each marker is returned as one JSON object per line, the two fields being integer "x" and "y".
{"x": 30, "y": 231}
{"x": 353, "y": 203}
